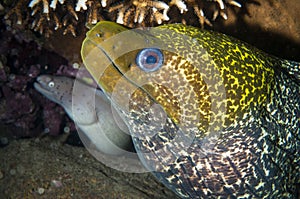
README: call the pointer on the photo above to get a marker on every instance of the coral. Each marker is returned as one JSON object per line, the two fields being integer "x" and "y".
{"x": 45, "y": 16}
{"x": 137, "y": 10}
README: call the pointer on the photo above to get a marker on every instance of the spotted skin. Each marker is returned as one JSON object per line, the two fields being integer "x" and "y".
{"x": 219, "y": 119}
{"x": 97, "y": 126}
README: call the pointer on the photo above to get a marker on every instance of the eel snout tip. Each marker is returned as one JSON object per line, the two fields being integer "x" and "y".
{"x": 44, "y": 79}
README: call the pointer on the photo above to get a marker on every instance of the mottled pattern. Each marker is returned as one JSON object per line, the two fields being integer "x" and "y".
{"x": 220, "y": 119}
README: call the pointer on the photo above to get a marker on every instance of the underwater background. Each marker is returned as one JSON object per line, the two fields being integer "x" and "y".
{"x": 34, "y": 159}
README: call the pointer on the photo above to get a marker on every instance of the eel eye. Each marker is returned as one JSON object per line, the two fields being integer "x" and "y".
{"x": 51, "y": 84}
{"x": 149, "y": 59}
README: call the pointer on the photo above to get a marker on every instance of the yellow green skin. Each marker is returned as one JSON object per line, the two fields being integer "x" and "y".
{"x": 219, "y": 118}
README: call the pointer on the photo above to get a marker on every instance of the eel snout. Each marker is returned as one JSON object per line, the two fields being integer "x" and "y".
{"x": 43, "y": 84}
{"x": 55, "y": 88}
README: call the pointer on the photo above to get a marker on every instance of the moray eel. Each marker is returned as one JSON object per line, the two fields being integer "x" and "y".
{"x": 106, "y": 132}
{"x": 210, "y": 116}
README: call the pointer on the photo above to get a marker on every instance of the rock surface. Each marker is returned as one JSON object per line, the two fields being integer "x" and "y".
{"x": 44, "y": 168}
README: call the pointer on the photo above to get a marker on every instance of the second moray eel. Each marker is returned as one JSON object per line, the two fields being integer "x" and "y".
{"x": 91, "y": 112}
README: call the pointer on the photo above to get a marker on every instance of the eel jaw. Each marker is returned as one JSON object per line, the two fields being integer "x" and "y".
{"x": 41, "y": 85}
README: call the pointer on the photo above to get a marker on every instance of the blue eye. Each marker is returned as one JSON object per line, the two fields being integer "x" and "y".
{"x": 149, "y": 59}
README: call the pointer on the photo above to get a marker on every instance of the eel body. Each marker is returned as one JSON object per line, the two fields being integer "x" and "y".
{"x": 90, "y": 110}
{"x": 210, "y": 116}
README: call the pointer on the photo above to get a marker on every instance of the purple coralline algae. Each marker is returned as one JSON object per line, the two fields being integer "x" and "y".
{"x": 23, "y": 110}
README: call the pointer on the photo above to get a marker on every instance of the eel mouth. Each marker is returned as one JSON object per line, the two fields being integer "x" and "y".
{"x": 41, "y": 85}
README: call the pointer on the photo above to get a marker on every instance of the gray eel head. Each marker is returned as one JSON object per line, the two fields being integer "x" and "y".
{"x": 57, "y": 88}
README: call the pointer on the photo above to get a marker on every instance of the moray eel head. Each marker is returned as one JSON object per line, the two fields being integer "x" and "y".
{"x": 56, "y": 89}
{"x": 199, "y": 78}
{"x": 206, "y": 112}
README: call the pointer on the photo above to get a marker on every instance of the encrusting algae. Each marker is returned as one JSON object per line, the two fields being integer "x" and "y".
{"x": 46, "y": 16}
